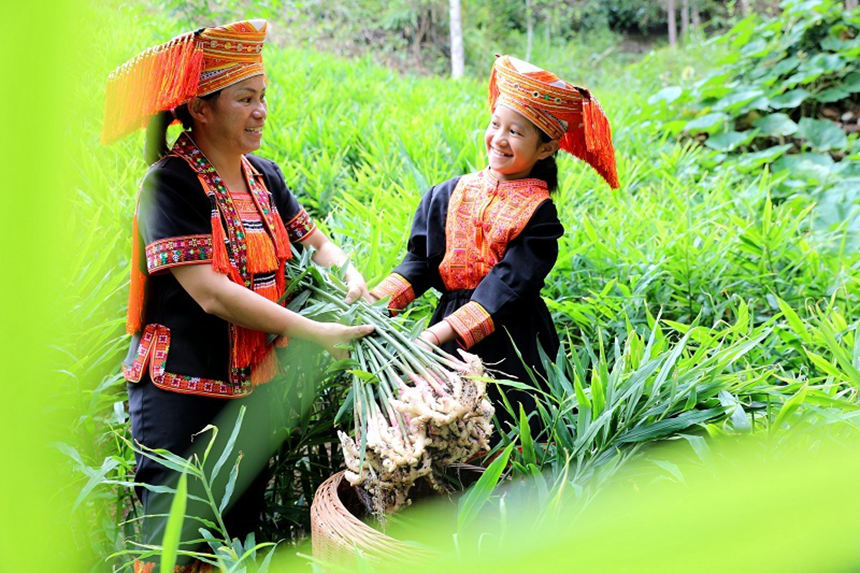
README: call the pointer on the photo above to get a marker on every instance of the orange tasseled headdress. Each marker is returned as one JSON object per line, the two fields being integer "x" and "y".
{"x": 166, "y": 76}
{"x": 563, "y": 111}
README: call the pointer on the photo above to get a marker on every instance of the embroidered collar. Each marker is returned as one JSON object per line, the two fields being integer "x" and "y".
{"x": 487, "y": 176}
{"x": 186, "y": 140}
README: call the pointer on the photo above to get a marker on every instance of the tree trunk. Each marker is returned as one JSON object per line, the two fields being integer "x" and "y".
{"x": 530, "y": 29}
{"x": 547, "y": 19}
{"x": 685, "y": 20}
{"x": 695, "y": 17}
{"x": 670, "y": 17}
{"x": 456, "y": 29}
{"x": 745, "y": 7}
{"x": 850, "y": 4}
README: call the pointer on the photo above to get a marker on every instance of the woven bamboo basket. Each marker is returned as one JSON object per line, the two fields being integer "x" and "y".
{"x": 337, "y": 535}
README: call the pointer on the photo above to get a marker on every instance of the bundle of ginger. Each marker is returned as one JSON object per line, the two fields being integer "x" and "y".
{"x": 413, "y": 430}
{"x": 417, "y": 409}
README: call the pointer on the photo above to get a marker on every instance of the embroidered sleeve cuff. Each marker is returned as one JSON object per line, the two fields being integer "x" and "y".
{"x": 472, "y": 323}
{"x": 300, "y": 227}
{"x": 175, "y": 251}
{"x": 398, "y": 288}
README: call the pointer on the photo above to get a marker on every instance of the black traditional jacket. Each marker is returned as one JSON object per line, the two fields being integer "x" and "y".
{"x": 487, "y": 246}
{"x": 181, "y": 347}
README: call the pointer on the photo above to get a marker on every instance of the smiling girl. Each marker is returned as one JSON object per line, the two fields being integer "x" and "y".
{"x": 487, "y": 240}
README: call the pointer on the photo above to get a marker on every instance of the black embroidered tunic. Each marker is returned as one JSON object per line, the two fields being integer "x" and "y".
{"x": 183, "y": 348}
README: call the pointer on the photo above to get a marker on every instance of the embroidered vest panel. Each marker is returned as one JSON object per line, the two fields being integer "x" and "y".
{"x": 250, "y": 247}
{"x": 484, "y": 216}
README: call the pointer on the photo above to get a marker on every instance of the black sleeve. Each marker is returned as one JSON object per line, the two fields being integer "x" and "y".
{"x": 173, "y": 216}
{"x": 527, "y": 261}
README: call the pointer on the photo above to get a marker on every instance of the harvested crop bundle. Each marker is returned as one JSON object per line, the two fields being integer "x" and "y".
{"x": 416, "y": 408}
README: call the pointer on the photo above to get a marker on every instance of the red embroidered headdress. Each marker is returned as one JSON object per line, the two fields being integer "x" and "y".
{"x": 562, "y": 110}
{"x": 193, "y": 64}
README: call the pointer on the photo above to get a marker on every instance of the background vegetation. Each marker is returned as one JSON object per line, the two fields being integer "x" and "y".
{"x": 715, "y": 293}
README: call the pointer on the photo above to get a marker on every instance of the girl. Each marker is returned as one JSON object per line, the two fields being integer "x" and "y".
{"x": 487, "y": 240}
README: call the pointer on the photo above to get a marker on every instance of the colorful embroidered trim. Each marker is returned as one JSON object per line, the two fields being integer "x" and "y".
{"x": 398, "y": 288}
{"x": 194, "y": 566}
{"x": 261, "y": 250}
{"x": 233, "y": 254}
{"x": 484, "y": 215}
{"x": 301, "y": 226}
{"x": 176, "y": 251}
{"x": 152, "y": 353}
{"x": 472, "y": 323}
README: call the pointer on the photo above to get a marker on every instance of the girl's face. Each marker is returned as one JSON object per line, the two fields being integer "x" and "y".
{"x": 514, "y": 145}
{"x": 233, "y": 121}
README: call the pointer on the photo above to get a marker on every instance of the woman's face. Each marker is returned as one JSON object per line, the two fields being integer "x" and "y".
{"x": 233, "y": 121}
{"x": 513, "y": 144}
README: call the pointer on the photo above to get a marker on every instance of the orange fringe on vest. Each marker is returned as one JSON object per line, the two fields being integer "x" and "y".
{"x": 137, "y": 285}
{"x": 261, "y": 253}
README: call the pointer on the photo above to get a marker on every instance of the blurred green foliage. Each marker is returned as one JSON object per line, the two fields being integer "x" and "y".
{"x": 412, "y": 35}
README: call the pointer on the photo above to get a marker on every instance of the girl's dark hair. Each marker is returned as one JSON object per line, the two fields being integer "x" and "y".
{"x": 156, "y": 131}
{"x": 546, "y": 168}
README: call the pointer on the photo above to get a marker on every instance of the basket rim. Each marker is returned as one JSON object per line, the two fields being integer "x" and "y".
{"x": 334, "y": 529}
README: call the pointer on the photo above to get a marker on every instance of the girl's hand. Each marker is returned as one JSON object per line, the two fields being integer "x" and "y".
{"x": 330, "y": 335}
{"x": 438, "y": 334}
{"x": 429, "y": 337}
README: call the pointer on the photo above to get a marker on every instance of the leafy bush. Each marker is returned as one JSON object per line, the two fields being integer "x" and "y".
{"x": 604, "y": 402}
{"x": 785, "y": 85}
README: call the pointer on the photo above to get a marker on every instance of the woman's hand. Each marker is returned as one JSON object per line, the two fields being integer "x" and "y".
{"x": 327, "y": 254}
{"x": 330, "y": 335}
{"x": 356, "y": 287}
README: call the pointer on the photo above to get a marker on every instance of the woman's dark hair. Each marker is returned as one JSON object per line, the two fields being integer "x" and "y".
{"x": 546, "y": 168}
{"x": 156, "y": 131}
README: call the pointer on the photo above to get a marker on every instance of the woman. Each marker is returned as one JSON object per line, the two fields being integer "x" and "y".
{"x": 213, "y": 230}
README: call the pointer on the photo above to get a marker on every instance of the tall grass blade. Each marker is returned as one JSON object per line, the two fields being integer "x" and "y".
{"x": 529, "y": 456}
{"x": 231, "y": 484}
{"x": 173, "y": 529}
{"x": 474, "y": 499}
{"x": 228, "y": 447}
